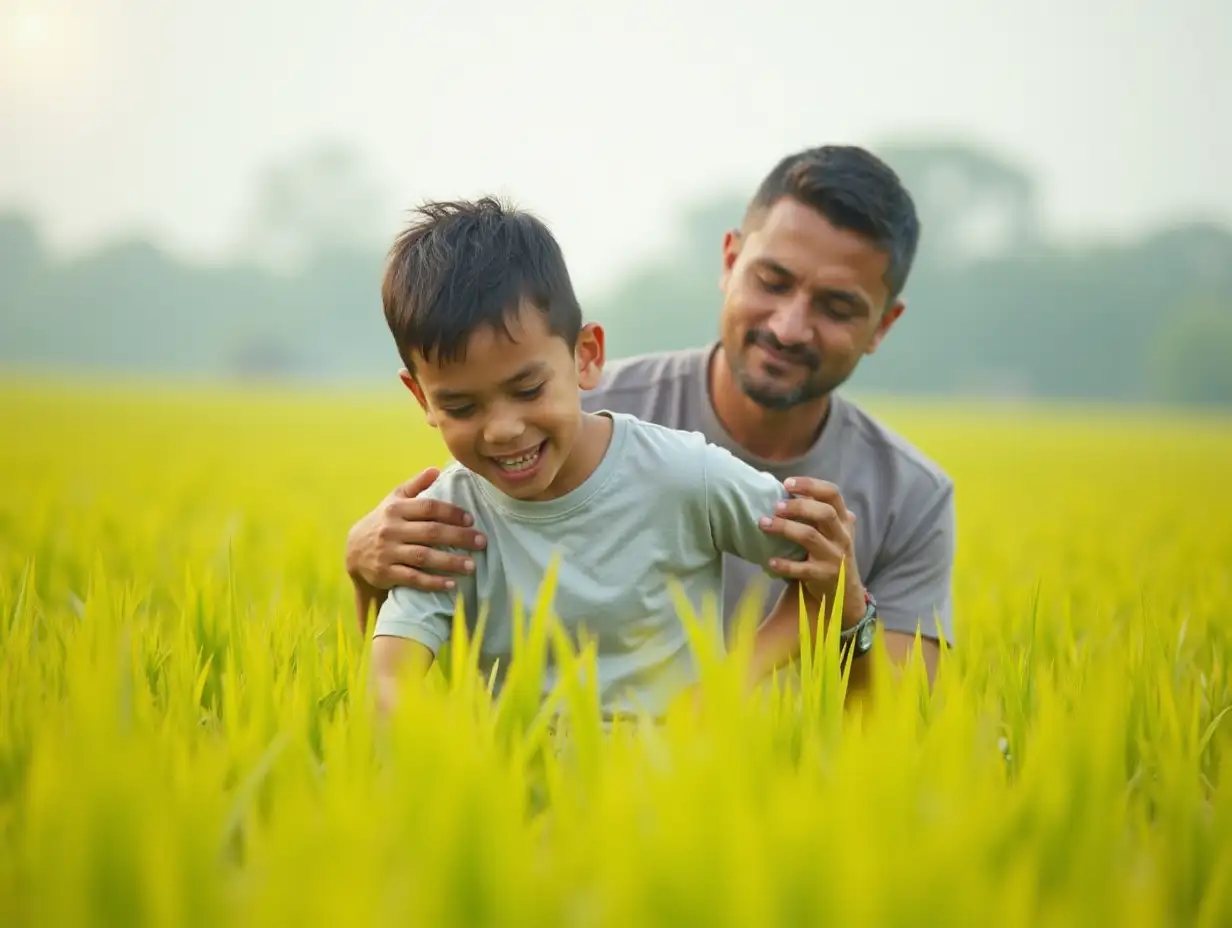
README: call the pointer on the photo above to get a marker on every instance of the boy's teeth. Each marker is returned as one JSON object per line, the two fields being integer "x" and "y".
{"x": 519, "y": 462}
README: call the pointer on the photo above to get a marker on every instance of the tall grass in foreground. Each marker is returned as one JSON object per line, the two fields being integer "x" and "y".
{"x": 186, "y": 734}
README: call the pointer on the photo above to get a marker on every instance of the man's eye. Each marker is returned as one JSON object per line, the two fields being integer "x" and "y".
{"x": 774, "y": 286}
{"x": 839, "y": 311}
{"x": 529, "y": 393}
{"x": 459, "y": 412}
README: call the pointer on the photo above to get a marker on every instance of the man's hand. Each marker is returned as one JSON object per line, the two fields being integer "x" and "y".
{"x": 397, "y": 542}
{"x": 817, "y": 520}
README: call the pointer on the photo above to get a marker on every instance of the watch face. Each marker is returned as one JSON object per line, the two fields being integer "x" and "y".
{"x": 866, "y": 637}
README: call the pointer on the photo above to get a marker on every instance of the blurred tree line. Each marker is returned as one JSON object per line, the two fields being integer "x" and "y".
{"x": 994, "y": 307}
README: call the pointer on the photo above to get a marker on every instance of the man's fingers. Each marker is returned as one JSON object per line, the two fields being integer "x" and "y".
{"x": 426, "y": 510}
{"x": 804, "y": 571}
{"x": 418, "y": 580}
{"x": 821, "y": 490}
{"x": 430, "y": 534}
{"x": 819, "y": 580}
{"x": 822, "y": 516}
{"x": 417, "y": 484}
{"x": 422, "y": 558}
{"x": 807, "y": 537}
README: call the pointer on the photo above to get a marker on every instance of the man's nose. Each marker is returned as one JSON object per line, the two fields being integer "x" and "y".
{"x": 790, "y": 322}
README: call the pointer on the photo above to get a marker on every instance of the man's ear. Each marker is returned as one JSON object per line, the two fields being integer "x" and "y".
{"x": 888, "y": 318}
{"x": 590, "y": 354}
{"x": 409, "y": 381}
{"x": 731, "y": 251}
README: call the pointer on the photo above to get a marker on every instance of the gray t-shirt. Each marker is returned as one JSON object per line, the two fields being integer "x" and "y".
{"x": 662, "y": 505}
{"x": 903, "y": 502}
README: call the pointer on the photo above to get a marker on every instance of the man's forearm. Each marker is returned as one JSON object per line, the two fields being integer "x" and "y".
{"x": 777, "y": 640}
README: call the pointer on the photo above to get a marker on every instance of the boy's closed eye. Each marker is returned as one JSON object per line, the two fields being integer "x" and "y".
{"x": 528, "y": 393}
{"x": 468, "y": 409}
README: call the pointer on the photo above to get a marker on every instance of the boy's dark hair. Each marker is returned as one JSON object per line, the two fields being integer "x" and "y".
{"x": 853, "y": 189}
{"x": 461, "y": 265}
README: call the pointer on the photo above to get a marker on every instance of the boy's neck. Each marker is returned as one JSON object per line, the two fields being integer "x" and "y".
{"x": 594, "y": 436}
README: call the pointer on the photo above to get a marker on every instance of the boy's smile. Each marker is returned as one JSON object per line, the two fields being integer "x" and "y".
{"x": 509, "y": 408}
{"x": 523, "y": 465}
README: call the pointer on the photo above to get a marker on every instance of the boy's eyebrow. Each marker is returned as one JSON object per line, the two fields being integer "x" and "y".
{"x": 530, "y": 370}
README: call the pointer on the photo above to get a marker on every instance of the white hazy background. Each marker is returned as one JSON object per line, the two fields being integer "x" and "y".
{"x": 136, "y": 117}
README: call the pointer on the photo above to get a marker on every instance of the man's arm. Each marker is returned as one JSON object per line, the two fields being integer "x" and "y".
{"x": 404, "y": 538}
{"x": 801, "y": 532}
{"x": 752, "y": 516}
{"x": 776, "y": 642}
{"x": 914, "y": 587}
{"x": 911, "y": 585}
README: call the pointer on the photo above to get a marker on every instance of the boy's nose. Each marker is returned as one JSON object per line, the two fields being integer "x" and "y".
{"x": 503, "y": 431}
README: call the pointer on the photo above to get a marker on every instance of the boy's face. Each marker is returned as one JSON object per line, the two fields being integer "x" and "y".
{"x": 511, "y": 409}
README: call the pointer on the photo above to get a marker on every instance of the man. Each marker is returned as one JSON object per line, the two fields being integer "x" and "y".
{"x": 811, "y": 282}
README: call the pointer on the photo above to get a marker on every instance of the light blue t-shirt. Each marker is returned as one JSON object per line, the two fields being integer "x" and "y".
{"x": 662, "y": 503}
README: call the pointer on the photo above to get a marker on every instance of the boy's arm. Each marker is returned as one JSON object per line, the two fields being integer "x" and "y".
{"x": 393, "y": 661}
{"x": 738, "y": 496}
{"x": 411, "y": 628}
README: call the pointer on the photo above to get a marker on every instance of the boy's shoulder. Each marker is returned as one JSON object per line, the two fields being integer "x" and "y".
{"x": 454, "y": 484}
{"x": 654, "y": 434}
{"x": 665, "y": 449}
{"x": 683, "y": 461}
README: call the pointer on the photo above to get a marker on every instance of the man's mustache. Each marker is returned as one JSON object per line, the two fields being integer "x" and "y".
{"x": 767, "y": 339}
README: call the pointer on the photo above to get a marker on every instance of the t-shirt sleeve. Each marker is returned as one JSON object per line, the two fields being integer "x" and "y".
{"x": 914, "y": 588}
{"x": 427, "y": 617}
{"x": 737, "y": 496}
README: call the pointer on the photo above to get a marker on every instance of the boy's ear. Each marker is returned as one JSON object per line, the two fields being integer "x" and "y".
{"x": 409, "y": 381}
{"x": 590, "y": 355}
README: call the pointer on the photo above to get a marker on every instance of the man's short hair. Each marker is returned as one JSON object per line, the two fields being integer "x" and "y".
{"x": 853, "y": 189}
{"x": 464, "y": 264}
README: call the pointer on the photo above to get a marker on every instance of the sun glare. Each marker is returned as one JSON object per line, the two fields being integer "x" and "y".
{"x": 31, "y": 29}
{"x": 50, "y": 57}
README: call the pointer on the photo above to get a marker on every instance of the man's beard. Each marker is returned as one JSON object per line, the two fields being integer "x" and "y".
{"x": 813, "y": 387}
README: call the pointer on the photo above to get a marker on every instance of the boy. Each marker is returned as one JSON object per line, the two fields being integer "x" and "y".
{"x": 480, "y": 304}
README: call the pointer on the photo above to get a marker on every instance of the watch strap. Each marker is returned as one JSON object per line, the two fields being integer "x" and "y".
{"x": 861, "y": 634}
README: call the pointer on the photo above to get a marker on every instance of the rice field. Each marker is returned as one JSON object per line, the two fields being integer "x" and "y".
{"x": 187, "y": 738}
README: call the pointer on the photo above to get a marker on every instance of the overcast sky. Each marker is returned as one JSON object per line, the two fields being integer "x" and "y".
{"x": 153, "y": 116}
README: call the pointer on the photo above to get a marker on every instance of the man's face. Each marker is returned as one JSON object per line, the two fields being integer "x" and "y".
{"x": 510, "y": 410}
{"x": 802, "y": 302}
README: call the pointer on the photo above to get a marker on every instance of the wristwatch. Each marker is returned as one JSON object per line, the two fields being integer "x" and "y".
{"x": 860, "y": 635}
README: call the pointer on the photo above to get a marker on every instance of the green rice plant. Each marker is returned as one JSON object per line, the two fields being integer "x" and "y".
{"x": 187, "y": 733}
